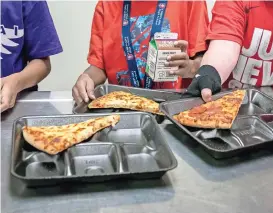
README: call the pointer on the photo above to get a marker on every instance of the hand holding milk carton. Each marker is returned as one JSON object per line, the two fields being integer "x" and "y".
{"x": 160, "y": 47}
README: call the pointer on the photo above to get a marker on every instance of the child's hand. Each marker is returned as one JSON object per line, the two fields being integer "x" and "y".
{"x": 9, "y": 91}
{"x": 181, "y": 60}
{"x": 83, "y": 90}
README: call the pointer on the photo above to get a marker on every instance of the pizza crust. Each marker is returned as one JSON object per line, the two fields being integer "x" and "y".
{"x": 38, "y": 144}
{"x": 206, "y": 125}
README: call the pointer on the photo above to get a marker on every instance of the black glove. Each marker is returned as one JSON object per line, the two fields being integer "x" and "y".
{"x": 206, "y": 77}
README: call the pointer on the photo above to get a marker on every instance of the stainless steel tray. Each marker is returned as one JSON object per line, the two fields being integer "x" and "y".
{"x": 252, "y": 128}
{"x": 134, "y": 148}
{"x": 156, "y": 95}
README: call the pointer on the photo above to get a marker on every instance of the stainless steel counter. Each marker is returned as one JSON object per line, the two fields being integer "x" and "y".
{"x": 199, "y": 183}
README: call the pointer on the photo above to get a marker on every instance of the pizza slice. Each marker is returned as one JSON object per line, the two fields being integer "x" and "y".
{"x": 219, "y": 114}
{"x": 55, "y": 139}
{"x": 125, "y": 100}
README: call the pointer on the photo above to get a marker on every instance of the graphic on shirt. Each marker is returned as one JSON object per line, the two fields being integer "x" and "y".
{"x": 7, "y": 35}
{"x": 254, "y": 66}
{"x": 140, "y": 34}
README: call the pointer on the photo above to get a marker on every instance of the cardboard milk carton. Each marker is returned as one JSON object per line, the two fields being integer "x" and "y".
{"x": 161, "y": 46}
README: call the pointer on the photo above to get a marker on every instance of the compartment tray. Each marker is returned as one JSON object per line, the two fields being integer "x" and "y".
{"x": 252, "y": 127}
{"x": 134, "y": 148}
{"x": 156, "y": 95}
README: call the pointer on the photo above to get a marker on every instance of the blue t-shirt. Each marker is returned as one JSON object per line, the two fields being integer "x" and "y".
{"x": 27, "y": 33}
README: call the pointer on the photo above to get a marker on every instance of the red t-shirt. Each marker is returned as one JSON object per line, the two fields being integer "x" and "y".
{"x": 188, "y": 19}
{"x": 250, "y": 24}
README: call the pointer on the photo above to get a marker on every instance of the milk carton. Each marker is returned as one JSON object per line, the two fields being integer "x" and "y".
{"x": 161, "y": 46}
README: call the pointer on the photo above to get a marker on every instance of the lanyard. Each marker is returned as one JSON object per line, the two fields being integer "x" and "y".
{"x": 127, "y": 41}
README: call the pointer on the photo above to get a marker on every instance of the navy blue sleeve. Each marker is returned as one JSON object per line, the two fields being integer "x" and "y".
{"x": 41, "y": 38}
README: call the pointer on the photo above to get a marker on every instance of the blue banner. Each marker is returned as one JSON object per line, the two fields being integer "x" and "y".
{"x": 127, "y": 41}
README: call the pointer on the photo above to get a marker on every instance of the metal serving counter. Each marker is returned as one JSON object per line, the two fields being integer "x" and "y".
{"x": 199, "y": 184}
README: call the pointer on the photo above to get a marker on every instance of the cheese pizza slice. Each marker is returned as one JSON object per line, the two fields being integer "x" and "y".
{"x": 218, "y": 114}
{"x": 125, "y": 100}
{"x": 55, "y": 139}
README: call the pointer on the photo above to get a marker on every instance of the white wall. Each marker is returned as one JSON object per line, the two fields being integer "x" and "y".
{"x": 210, "y": 4}
{"x": 73, "y": 22}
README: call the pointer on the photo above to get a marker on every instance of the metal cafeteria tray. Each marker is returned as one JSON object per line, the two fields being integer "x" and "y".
{"x": 156, "y": 95}
{"x": 253, "y": 126}
{"x": 134, "y": 148}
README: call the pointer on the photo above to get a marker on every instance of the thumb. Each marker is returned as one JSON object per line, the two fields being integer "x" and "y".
{"x": 206, "y": 95}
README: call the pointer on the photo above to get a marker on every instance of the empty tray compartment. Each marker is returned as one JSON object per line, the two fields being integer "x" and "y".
{"x": 251, "y": 130}
{"x": 256, "y": 103}
{"x": 130, "y": 135}
{"x": 134, "y": 128}
{"x": 267, "y": 118}
{"x": 28, "y": 162}
{"x": 37, "y": 164}
{"x": 218, "y": 139}
{"x": 137, "y": 158}
{"x": 92, "y": 159}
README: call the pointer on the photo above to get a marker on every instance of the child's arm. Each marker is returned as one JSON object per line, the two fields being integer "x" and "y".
{"x": 32, "y": 74}
{"x": 95, "y": 74}
{"x": 40, "y": 42}
{"x": 83, "y": 90}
